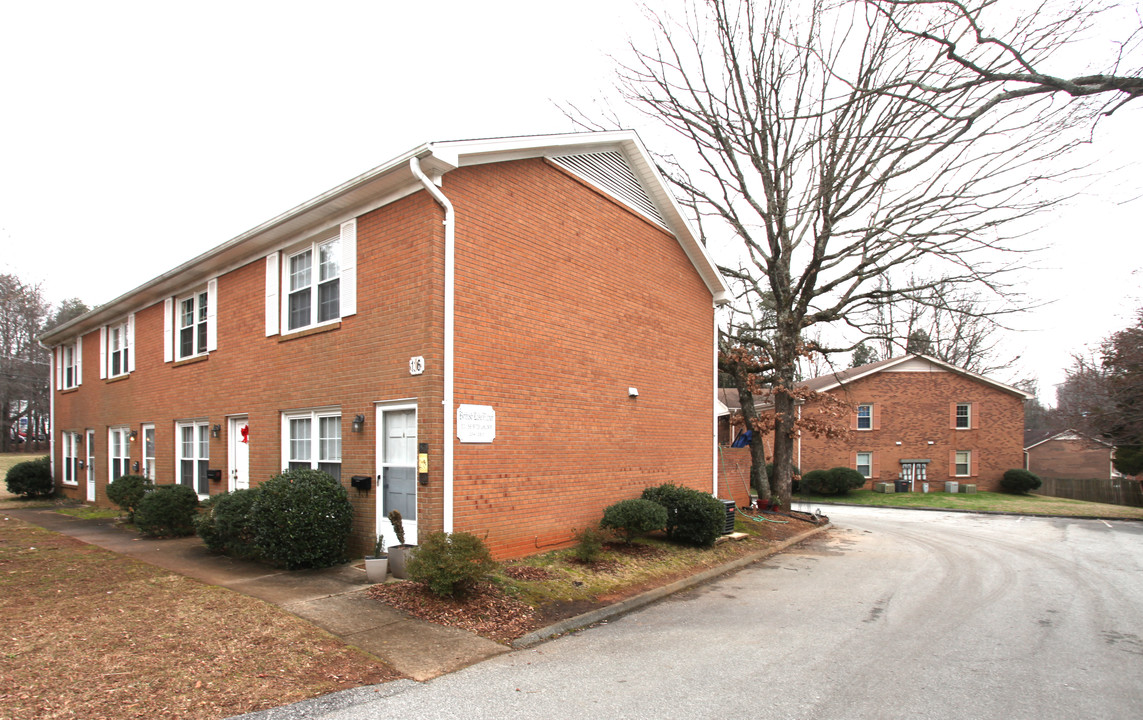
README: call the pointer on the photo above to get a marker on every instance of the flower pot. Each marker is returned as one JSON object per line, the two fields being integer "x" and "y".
{"x": 398, "y": 556}
{"x": 376, "y": 569}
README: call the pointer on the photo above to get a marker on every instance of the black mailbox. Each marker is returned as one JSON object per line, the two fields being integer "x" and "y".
{"x": 215, "y": 475}
{"x": 361, "y": 482}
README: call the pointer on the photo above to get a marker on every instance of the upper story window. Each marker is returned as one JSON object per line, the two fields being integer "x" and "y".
{"x": 314, "y": 283}
{"x": 963, "y": 416}
{"x": 865, "y": 417}
{"x": 69, "y": 364}
{"x": 117, "y": 348}
{"x": 190, "y": 323}
{"x": 314, "y": 292}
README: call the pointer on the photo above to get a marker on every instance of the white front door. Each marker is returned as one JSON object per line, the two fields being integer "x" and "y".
{"x": 239, "y": 442}
{"x": 397, "y": 471}
{"x": 90, "y": 445}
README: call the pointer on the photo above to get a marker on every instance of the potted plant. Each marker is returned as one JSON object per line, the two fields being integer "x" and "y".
{"x": 399, "y": 553}
{"x": 377, "y": 564}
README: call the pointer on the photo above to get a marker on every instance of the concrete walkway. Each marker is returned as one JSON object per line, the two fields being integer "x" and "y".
{"x": 334, "y": 599}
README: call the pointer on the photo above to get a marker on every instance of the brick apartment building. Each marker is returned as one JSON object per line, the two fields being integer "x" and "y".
{"x": 913, "y": 418}
{"x": 1070, "y": 455}
{"x": 534, "y": 314}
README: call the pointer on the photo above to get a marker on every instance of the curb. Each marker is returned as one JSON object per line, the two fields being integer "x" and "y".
{"x": 977, "y": 512}
{"x": 634, "y": 603}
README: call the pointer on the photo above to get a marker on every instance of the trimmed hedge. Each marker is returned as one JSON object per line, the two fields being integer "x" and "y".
{"x": 31, "y": 478}
{"x": 693, "y": 517}
{"x": 167, "y": 511}
{"x": 227, "y": 526}
{"x": 450, "y": 563}
{"x": 127, "y": 492}
{"x": 634, "y": 517}
{"x": 835, "y": 481}
{"x": 1019, "y": 481}
{"x": 302, "y": 519}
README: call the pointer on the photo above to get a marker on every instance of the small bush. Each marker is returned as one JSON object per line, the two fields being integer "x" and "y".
{"x": 634, "y": 517}
{"x": 31, "y": 478}
{"x": 302, "y": 519}
{"x": 588, "y": 545}
{"x": 1019, "y": 481}
{"x": 835, "y": 481}
{"x": 127, "y": 491}
{"x": 450, "y": 563}
{"x": 227, "y": 525}
{"x": 167, "y": 511}
{"x": 692, "y": 516}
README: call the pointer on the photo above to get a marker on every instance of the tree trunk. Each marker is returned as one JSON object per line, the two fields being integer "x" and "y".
{"x": 759, "y": 482}
{"x": 785, "y": 410}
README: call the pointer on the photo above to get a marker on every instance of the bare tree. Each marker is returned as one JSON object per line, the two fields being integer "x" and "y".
{"x": 837, "y": 148}
{"x": 23, "y": 363}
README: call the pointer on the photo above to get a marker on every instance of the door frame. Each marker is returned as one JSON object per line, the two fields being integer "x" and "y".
{"x": 89, "y": 449}
{"x": 234, "y": 425}
{"x": 382, "y": 525}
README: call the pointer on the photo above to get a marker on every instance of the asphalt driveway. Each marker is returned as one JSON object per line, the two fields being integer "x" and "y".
{"x": 891, "y": 614}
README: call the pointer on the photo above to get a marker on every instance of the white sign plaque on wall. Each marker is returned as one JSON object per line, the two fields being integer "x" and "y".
{"x": 475, "y": 423}
{"x": 416, "y": 365}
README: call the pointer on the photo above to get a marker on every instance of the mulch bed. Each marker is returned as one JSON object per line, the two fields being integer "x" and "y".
{"x": 484, "y": 610}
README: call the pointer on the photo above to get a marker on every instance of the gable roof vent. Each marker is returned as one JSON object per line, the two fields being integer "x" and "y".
{"x": 610, "y": 172}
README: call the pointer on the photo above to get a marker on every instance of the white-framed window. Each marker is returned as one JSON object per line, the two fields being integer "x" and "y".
{"x": 118, "y": 452}
{"x": 865, "y": 464}
{"x": 149, "y": 451}
{"x": 117, "y": 348}
{"x": 962, "y": 463}
{"x": 312, "y": 283}
{"x": 312, "y": 439}
{"x": 190, "y": 323}
{"x": 865, "y": 416}
{"x": 70, "y": 366}
{"x": 963, "y": 416}
{"x": 192, "y": 454}
{"x": 70, "y": 442}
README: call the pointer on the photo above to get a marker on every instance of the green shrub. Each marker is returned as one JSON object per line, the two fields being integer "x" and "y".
{"x": 450, "y": 563}
{"x": 1019, "y": 481}
{"x": 835, "y": 481}
{"x": 693, "y": 517}
{"x": 31, "y": 478}
{"x": 588, "y": 545}
{"x": 227, "y": 525}
{"x": 167, "y": 511}
{"x": 634, "y": 517}
{"x": 127, "y": 491}
{"x": 302, "y": 519}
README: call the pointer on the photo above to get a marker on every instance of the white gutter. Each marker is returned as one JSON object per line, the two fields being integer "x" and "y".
{"x": 449, "y": 339}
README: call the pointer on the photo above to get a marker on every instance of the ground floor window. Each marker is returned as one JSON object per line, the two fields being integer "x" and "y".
{"x": 70, "y": 458}
{"x": 865, "y": 464}
{"x": 119, "y": 445}
{"x": 313, "y": 440}
{"x": 192, "y": 455}
{"x": 963, "y": 463}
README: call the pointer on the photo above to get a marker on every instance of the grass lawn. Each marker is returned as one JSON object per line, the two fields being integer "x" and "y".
{"x": 997, "y": 502}
{"x": 92, "y": 634}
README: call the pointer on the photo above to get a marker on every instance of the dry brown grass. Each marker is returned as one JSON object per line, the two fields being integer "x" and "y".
{"x": 91, "y": 634}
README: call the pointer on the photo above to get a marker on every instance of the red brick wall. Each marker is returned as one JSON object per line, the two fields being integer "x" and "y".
{"x": 565, "y": 299}
{"x": 1063, "y": 459}
{"x": 913, "y": 409}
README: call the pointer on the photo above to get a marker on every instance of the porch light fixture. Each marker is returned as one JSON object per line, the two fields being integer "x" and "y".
{"x": 133, "y": 436}
{"x": 358, "y": 423}
{"x": 216, "y": 431}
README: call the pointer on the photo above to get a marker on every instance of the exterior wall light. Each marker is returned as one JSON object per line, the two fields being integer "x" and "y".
{"x": 358, "y": 423}
{"x": 216, "y": 431}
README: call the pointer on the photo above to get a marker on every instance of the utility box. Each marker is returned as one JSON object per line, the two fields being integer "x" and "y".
{"x": 967, "y": 489}
{"x": 901, "y": 485}
{"x": 951, "y": 487}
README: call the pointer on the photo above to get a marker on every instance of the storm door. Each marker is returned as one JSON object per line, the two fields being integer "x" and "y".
{"x": 397, "y": 471}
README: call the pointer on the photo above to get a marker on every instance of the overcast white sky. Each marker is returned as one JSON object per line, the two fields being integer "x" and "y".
{"x": 136, "y": 135}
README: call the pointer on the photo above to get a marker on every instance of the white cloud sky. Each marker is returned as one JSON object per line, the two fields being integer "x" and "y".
{"x": 136, "y": 135}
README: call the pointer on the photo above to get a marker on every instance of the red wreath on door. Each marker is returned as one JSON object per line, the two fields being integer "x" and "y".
{"x": 245, "y": 433}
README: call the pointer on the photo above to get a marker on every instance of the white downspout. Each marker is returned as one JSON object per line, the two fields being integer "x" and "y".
{"x": 714, "y": 404}
{"x": 449, "y": 339}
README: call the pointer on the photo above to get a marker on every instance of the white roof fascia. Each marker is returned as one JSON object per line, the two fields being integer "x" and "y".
{"x": 1074, "y": 432}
